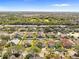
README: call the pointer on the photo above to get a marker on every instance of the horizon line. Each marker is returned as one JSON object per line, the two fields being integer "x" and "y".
{"x": 37, "y": 11}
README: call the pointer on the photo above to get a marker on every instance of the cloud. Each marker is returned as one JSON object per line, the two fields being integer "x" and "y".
{"x": 60, "y": 5}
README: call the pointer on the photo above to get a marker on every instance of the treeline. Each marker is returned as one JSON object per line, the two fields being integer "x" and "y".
{"x": 39, "y": 20}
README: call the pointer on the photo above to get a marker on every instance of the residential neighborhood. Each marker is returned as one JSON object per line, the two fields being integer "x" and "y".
{"x": 38, "y": 43}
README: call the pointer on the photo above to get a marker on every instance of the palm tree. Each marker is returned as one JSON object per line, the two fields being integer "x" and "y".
{"x": 33, "y": 49}
{"x": 22, "y": 38}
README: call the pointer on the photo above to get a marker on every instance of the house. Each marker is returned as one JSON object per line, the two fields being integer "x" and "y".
{"x": 51, "y": 43}
{"x": 16, "y": 56}
{"x": 75, "y": 35}
{"x": 40, "y": 34}
{"x": 16, "y": 35}
{"x": 15, "y": 41}
{"x": 71, "y": 52}
{"x": 76, "y": 42}
{"x": 43, "y": 52}
{"x": 29, "y": 34}
{"x": 67, "y": 43}
{"x": 37, "y": 57}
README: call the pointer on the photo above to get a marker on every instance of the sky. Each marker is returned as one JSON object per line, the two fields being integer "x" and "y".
{"x": 40, "y": 5}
